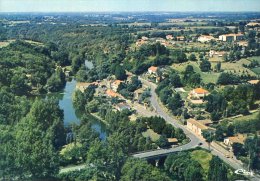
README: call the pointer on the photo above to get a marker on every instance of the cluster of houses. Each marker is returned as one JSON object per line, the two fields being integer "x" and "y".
{"x": 170, "y": 39}
{"x": 109, "y": 88}
{"x": 198, "y": 126}
{"x": 226, "y": 37}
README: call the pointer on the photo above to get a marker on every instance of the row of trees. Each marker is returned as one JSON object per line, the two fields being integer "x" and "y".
{"x": 232, "y": 101}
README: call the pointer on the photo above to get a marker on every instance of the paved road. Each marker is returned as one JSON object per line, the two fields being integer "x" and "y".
{"x": 194, "y": 139}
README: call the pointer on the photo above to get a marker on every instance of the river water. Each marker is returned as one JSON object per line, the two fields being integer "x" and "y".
{"x": 66, "y": 104}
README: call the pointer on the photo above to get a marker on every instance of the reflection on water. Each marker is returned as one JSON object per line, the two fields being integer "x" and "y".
{"x": 70, "y": 115}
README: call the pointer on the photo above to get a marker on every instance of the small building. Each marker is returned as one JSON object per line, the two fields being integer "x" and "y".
{"x": 196, "y": 126}
{"x": 140, "y": 42}
{"x": 115, "y": 85}
{"x": 240, "y": 138}
{"x": 111, "y": 93}
{"x": 213, "y": 53}
{"x": 205, "y": 38}
{"x": 82, "y": 86}
{"x": 199, "y": 93}
{"x": 144, "y": 38}
{"x": 242, "y": 43}
{"x": 253, "y": 82}
{"x": 152, "y": 70}
{"x": 180, "y": 38}
{"x": 173, "y": 141}
{"x": 123, "y": 106}
{"x": 252, "y": 24}
{"x": 231, "y": 37}
{"x": 169, "y": 37}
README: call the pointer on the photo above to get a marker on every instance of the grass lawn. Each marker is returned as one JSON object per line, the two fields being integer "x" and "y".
{"x": 257, "y": 58}
{"x": 203, "y": 157}
{"x": 154, "y": 136}
{"x": 247, "y": 117}
{"x": 207, "y": 77}
{"x": 256, "y": 70}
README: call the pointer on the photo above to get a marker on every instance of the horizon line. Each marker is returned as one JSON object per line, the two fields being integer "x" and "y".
{"x": 129, "y": 11}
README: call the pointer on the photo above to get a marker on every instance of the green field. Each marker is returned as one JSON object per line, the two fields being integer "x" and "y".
{"x": 206, "y": 77}
{"x": 257, "y": 58}
{"x": 203, "y": 157}
{"x": 256, "y": 70}
{"x": 247, "y": 117}
{"x": 150, "y": 133}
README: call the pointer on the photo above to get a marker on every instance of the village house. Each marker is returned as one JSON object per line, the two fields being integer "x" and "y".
{"x": 196, "y": 126}
{"x": 145, "y": 38}
{"x": 123, "y": 106}
{"x": 152, "y": 70}
{"x": 231, "y": 37}
{"x": 253, "y": 82}
{"x": 169, "y": 37}
{"x": 82, "y": 86}
{"x": 253, "y": 24}
{"x": 111, "y": 93}
{"x": 213, "y": 53}
{"x": 140, "y": 42}
{"x": 240, "y": 138}
{"x": 180, "y": 38}
{"x": 115, "y": 85}
{"x": 173, "y": 141}
{"x": 205, "y": 38}
{"x": 199, "y": 93}
{"x": 242, "y": 43}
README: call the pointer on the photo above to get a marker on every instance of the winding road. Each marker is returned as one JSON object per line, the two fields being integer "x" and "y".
{"x": 194, "y": 139}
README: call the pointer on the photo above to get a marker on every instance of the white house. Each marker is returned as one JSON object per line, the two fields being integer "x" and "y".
{"x": 205, "y": 38}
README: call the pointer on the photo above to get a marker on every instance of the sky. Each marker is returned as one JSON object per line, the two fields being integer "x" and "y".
{"x": 127, "y": 5}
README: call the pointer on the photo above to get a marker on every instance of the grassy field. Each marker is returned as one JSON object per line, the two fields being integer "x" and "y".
{"x": 203, "y": 157}
{"x": 154, "y": 136}
{"x": 206, "y": 77}
{"x": 256, "y": 70}
{"x": 247, "y": 117}
{"x": 6, "y": 43}
{"x": 257, "y": 58}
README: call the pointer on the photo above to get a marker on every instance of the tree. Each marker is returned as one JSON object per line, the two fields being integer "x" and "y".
{"x": 174, "y": 103}
{"x": 227, "y": 78}
{"x": 219, "y": 134}
{"x": 19, "y": 84}
{"x": 238, "y": 149}
{"x": 120, "y": 73}
{"x": 175, "y": 80}
{"x": 208, "y": 136}
{"x": 35, "y": 154}
{"x": 57, "y": 81}
{"x": 192, "y": 57}
{"x": 205, "y": 65}
{"x": 136, "y": 169}
{"x": 217, "y": 170}
{"x": 193, "y": 172}
{"x": 162, "y": 141}
{"x": 218, "y": 67}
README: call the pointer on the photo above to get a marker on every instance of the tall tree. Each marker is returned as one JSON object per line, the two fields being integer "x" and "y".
{"x": 217, "y": 170}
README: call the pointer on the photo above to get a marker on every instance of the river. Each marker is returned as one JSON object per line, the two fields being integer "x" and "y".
{"x": 66, "y": 104}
